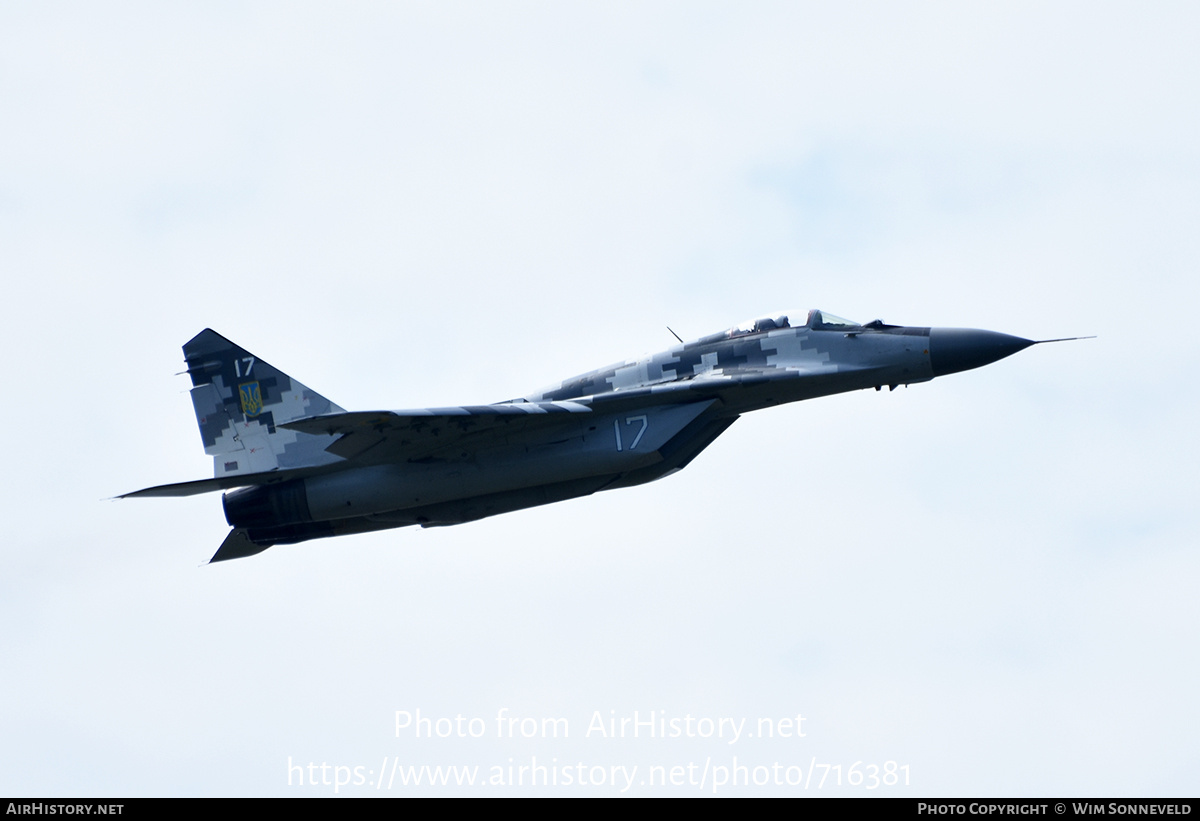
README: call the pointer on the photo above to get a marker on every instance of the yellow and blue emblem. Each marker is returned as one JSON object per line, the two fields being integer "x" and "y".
{"x": 252, "y": 404}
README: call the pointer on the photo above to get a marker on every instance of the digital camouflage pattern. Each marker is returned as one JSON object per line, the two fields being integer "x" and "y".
{"x": 304, "y": 468}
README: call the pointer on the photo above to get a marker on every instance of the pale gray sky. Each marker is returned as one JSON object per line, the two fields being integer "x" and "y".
{"x": 988, "y": 579}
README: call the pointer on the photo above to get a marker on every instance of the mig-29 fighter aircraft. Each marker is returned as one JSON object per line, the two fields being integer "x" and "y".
{"x": 304, "y": 468}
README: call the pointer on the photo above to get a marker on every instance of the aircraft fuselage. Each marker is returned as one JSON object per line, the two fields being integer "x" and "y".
{"x": 308, "y": 469}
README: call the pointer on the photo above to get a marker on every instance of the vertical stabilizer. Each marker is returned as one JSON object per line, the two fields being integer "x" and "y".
{"x": 240, "y": 400}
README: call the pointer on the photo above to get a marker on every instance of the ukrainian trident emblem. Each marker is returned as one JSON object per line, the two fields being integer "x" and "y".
{"x": 252, "y": 404}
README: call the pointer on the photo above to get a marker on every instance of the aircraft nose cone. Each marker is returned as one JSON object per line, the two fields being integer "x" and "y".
{"x": 959, "y": 349}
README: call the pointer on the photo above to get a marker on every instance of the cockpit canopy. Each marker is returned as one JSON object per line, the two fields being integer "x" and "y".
{"x": 816, "y": 319}
{"x": 824, "y": 319}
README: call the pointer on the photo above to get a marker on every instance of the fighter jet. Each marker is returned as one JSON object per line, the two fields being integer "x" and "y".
{"x": 300, "y": 467}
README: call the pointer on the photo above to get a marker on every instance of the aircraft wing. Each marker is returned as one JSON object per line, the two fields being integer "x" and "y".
{"x": 414, "y": 434}
{"x": 411, "y": 435}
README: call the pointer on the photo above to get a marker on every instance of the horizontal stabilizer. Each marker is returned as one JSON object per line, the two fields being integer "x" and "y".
{"x": 266, "y": 477}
